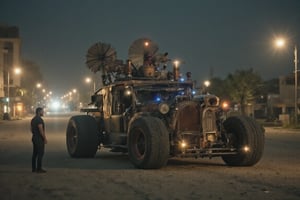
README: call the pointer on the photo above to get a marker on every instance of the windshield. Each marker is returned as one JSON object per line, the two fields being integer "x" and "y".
{"x": 157, "y": 94}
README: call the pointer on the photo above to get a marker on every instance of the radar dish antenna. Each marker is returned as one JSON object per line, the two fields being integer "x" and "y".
{"x": 141, "y": 50}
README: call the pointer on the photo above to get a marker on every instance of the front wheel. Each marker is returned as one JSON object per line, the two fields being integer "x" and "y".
{"x": 247, "y": 136}
{"x": 82, "y": 136}
{"x": 148, "y": 143}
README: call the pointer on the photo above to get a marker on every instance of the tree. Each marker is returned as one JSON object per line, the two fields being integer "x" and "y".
{"x": 218, "y": 87}
{"x": 31, "y": 75}
{"x": 243, "y": 86}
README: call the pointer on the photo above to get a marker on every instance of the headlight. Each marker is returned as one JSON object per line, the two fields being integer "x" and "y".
{"x": 164, "y": 108}
{"x": 246, "y": 149}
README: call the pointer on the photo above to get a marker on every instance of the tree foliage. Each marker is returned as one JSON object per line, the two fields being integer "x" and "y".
{"x": 240, "y": 87}
{"x": 244, "y": 86}
{"x": 219, "y": 88}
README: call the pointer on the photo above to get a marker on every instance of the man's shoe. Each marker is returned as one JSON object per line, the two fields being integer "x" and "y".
{"x": 41, "y": 171}
{"x": 33, "y": 170}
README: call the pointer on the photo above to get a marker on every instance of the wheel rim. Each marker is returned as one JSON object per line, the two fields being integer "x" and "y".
{"x": 72, "y": 138}
{"x": 139, "y": 144}
{"x": 233, "y": 140}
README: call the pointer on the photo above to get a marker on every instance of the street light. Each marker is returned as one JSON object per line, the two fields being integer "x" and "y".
{"x": 16, "y": 71}
{"x": 296, "y": 83}
{"x": 38, "y": 85}
{"x": 206, "y": 84}
{"x": 280, "y": 42}
{"x": 35, "y": 97}
{"x": 89, "y": 80}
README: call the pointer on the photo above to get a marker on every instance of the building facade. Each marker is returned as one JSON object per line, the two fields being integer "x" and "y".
{"x": 10, "y": 53}
{"x": 283, "y": 104}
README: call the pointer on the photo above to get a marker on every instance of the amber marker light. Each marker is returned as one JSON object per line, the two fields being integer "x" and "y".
{"x": 225, "y": 105}
{"x": 246, "y": 149}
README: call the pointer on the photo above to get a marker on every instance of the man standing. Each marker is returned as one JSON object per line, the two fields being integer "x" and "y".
{"x": 39, "y": 140}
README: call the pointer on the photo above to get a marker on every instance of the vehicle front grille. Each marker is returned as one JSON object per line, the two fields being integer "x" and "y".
{"x": 209, "y": 120}
{"x": 188, "y": 117}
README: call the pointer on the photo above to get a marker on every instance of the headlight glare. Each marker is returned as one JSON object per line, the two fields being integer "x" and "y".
{"x": 164, "y": 108}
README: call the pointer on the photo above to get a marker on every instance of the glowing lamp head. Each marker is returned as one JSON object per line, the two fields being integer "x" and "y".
{"x": 207, "y": 83}
{"x": 280, "y": 42}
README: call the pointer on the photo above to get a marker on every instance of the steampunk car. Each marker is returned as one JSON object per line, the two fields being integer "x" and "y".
{"x": 153, "y": 115}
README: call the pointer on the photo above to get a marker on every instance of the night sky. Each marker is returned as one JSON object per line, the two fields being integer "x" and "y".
{"x": 211, "y": 37}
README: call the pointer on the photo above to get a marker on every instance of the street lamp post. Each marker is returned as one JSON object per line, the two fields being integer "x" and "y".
{"x": 89, "y": 80}
{"x": 296, "y": 84}
{"x": 8, "y": 96}
{"x": 280, "y": 43}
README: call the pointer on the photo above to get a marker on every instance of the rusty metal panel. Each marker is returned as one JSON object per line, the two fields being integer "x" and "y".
{"x": 189, "y": 116}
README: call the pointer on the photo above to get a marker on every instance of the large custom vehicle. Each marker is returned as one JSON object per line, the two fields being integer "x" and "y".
{"x": 153, "y": 115}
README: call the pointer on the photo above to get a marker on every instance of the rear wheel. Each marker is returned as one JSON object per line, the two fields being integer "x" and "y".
{"x": 82, "y": 136}
{"x": 247, "y": 137}
{"x": 148, "y": 143}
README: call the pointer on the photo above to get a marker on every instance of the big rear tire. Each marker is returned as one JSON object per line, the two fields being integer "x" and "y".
{"x": 82, "y": 136}
{"x": 247, "y": 136}
{"x": 148, "y": 143}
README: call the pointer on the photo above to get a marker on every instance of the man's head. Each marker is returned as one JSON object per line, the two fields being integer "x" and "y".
{"x": 39, "y": 111}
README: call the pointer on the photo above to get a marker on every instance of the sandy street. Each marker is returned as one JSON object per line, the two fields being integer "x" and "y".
{"x": 112, "y": 176}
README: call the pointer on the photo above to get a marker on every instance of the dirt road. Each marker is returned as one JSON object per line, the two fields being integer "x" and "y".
{"x": 112, "y": 176}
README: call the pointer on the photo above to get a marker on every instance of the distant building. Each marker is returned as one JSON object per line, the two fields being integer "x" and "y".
{"x": 287, "y": 93}
{"x": 279, "y": 105}
{"x": 10, "y": 52}
{"x": 284, "y": 102}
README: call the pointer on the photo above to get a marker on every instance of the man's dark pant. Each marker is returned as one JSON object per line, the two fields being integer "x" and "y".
{"x": 38, "y": 152}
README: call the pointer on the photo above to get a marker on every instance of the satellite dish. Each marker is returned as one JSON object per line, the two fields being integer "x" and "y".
{"x": 141, "y": 50}
{"x": 100, "y": 56}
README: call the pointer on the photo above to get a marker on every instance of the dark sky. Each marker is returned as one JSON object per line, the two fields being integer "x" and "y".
{"x": 210, "y": 36}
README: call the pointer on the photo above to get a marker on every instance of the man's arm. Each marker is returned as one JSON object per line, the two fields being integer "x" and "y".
{"x": 42, "y": 132}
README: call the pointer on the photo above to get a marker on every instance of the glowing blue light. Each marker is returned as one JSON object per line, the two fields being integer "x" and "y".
{"x": 193, "y": 92}
{"x": 157, "y": 99}
{"x": 182, "y": 79}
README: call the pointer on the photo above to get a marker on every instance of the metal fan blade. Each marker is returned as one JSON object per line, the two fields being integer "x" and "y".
{"x": 99, "y": 56}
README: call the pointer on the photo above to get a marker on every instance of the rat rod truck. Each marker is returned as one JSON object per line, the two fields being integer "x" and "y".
{"x": 153, "y": 118}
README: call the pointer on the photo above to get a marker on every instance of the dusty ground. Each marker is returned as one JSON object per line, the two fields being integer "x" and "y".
{"x": 112, "y": 176}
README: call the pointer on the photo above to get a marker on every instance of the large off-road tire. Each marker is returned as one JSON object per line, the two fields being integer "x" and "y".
{"x": 82, "y": 136}
{"x": 247, "y": 136}
{"x": 148, "y": 143}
